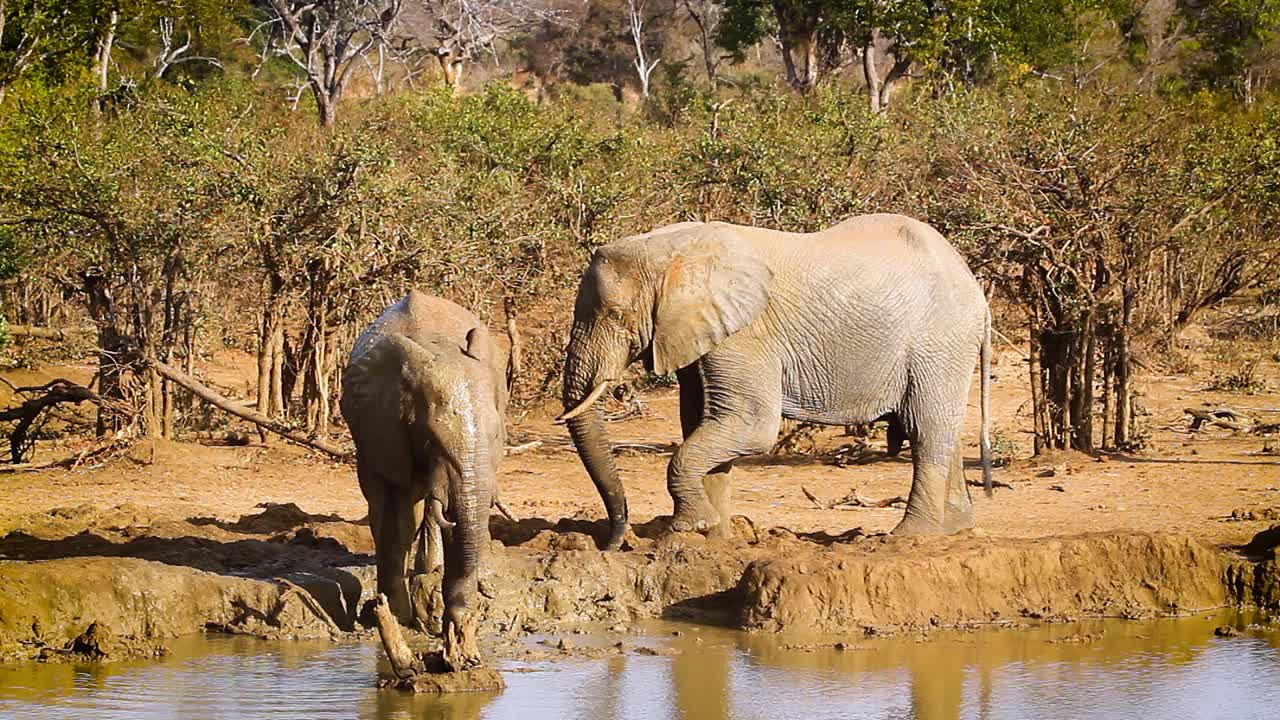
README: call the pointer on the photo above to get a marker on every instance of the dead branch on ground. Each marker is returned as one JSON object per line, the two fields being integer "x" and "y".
{"x": 25, "y": 415}
{"x": 854, "y": 500}
{"x": 245, "y": 413}
{"x": 1222, "y": 417}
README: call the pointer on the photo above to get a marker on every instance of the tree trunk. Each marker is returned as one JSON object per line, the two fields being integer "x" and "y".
{"x": 102, "y": 57}
{"x": 271, "y": 327}
{"x": 1108, "y": 373}
{"x": 111, "y": 344}
{"x": 896, "y": 73}
{"x": 871, "y": 75}
{"x": 1124, "y": 369}
{"x": 1040, "y": 440}
{"x": 788, "y": 62}
{"x": 326, "y": 105}
{"x": 515, "y": 361}
{"x": 1082, "y": 423}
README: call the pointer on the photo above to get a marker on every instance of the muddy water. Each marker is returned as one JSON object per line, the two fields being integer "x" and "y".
{"x": 1105, "y": 669}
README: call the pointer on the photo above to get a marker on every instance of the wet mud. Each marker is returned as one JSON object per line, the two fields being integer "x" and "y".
{"x": 128, "y": 581}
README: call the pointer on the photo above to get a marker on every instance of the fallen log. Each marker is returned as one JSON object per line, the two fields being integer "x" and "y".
{"x": 25, "y": 415}
{"x": 44, "y": 333}
{"x": 244, "y": 413}
{"x": 404, "y": 664}
{"x": 425, "y": 672}
{"x": 1221, "y": 417}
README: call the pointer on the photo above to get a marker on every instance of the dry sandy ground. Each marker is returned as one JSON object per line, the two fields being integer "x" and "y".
{"x": 1185, "y": 482}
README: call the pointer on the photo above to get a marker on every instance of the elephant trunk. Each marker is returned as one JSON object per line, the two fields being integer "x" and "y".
{"x": 469, "y": 505}
{"x": 592, "y": 442}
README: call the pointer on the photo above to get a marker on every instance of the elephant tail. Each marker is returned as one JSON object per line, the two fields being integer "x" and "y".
{"x": 985, "y": 387}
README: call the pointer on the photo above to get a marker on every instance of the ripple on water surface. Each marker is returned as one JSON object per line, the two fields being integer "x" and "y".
{"x": 1172, "y": 669}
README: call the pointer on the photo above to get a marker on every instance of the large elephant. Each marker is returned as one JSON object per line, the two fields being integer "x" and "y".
{"x": 424, "y": 395}
{"x": 875, "y": 318}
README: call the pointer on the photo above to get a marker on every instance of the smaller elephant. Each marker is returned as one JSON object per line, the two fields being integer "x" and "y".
{"x": 424, "y": 394}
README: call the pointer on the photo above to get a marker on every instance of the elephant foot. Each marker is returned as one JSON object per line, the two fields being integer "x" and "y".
{"x": 915, "y": 526}
{"x": 957, "y": 519}
{"x": 697, "y": 519}
{"x": 461, "y": 651}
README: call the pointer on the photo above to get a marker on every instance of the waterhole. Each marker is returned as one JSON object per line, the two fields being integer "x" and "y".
{"x": 1168, "y": 669}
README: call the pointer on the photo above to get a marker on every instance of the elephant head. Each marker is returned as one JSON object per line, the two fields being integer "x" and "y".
{"x": 666, "y": 298}
{"x": 421, "y": 410}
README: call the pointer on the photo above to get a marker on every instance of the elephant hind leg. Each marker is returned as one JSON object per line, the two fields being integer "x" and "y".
{"x": 958, "y": 512}
{"x": 934, "y": 430}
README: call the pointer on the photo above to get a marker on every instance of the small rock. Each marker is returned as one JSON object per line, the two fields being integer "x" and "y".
{"x": 619, "y": 628}
{"x": 1057, "y": 488}
{"x": 564, "y": 645}
{"x": 1226, "y": 631}
{"x": 652, "y": 651}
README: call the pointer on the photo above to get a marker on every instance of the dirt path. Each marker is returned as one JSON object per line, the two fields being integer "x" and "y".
{"x": 1185, "y": 482}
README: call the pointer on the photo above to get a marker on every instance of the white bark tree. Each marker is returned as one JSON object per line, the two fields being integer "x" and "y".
{"x": 644, "y": 66}
{"x": 171, "y": 53}
{"x": 327, "y": 39}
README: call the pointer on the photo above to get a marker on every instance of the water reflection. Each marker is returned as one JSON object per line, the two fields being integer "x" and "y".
{"x": 1167, "y": 669}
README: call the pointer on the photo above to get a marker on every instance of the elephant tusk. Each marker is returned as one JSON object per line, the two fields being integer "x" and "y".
{"x": 503, "y": 509}
{"x": 585, "y": 404}
{"x": 437, "y": 513}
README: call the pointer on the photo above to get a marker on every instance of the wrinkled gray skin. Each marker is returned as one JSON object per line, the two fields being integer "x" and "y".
{"x": 424, "y": 395}
{"x": 875, "y": 318}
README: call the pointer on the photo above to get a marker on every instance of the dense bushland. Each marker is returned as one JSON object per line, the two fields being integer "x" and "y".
{"x": 179, "y": 221}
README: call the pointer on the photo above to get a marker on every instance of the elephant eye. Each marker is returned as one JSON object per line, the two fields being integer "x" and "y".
{"x": 612, "y": 312}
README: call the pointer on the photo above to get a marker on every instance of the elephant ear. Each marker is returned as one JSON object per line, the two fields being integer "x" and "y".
{"x": 714, "y": 286}
{"x": 479, "y": 346}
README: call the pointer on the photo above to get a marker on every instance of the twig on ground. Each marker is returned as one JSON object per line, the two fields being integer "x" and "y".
{"x": 521, "y": 448}
{"x": 853, "y": 500}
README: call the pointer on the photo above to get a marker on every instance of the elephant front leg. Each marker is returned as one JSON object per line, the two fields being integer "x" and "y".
{"x": 716, "y": 483}
{"x": 394, "y": 519}
{"x": 703, "y": 462}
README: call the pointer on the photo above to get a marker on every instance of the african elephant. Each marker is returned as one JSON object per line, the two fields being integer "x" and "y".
{"x": 876, "y": 317}
{"x": 424, "y": 395}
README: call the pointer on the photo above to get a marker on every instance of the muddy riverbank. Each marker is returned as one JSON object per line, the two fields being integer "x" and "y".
{"x": 283, "y": 573}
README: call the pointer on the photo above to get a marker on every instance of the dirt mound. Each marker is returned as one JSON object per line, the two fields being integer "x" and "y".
{"x": 919, "y": 584}
{"x": 277, "y": 517}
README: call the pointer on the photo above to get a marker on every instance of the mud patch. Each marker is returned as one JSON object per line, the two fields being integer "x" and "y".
{"x": 283, "y": 573}
{"x": 46, "y": 607}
